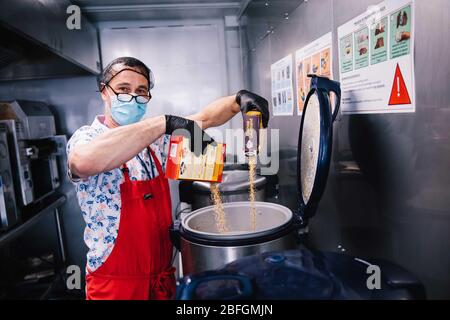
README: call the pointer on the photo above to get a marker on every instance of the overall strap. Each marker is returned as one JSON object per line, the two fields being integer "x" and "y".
{"x": 157, "y": 163}
{"x": 126, "y": 172}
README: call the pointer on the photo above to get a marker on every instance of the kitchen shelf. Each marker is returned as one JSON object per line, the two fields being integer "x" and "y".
{"x": 44, "y": 209}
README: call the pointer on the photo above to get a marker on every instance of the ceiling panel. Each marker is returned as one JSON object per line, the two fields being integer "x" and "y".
{"x": 114, "y": 10}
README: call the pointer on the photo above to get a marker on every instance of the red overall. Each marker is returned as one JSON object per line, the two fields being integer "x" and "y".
{"x": 139, "y": 266}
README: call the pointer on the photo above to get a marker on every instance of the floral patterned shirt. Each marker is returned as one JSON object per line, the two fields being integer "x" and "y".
{"x": 99, "y": 195}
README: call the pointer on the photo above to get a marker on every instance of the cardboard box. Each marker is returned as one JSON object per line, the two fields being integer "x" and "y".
{"x": 182, "y": 164}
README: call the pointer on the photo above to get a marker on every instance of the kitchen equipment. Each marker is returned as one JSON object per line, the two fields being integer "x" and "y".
{"x": 8, "y": 208}
{"x": 31, "y": 149}
{"x": 313, "y": 161}
{"x": 301, "y": 274}
{"x": 233, "y": 188}
{"x": 304, "y": 273}
{"x": 203, "y": 247}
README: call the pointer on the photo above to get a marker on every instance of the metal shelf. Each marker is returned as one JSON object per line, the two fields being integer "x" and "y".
{"x": 21, "y": 228}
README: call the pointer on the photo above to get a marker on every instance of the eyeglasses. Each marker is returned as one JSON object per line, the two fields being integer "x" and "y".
{"x": 127, "y": 97}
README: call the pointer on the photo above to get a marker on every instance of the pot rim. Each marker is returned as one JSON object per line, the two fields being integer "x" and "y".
{"x": 185, "y": 229}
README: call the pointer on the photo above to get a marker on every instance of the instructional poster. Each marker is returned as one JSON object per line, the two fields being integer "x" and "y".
{"x": 282, "y": 91}
{"x": 315, "y": 58}
{"x": 376, "y": 61}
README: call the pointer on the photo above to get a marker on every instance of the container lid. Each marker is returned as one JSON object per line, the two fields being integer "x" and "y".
{"x": 232, "y": 181}
{"x": 315, "y": 143}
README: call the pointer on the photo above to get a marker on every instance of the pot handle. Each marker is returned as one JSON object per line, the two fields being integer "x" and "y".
{"x": 327, "y": 85}
{"x": 186, "y": 290}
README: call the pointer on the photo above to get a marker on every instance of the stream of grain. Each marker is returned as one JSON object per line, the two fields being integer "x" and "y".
{"x": 219, "y": 212}
{"x": 252, "y": 191}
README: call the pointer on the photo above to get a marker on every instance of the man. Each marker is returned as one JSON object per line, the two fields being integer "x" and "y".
{"x": 117, "y": 166}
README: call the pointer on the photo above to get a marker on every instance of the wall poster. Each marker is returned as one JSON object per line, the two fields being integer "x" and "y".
{"x": 282, "y": 91}
{"x": 314, "y": 58}
{"x": 376, "y": 60}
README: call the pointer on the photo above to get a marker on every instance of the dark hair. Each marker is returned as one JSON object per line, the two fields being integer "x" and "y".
{"x": 130, "y": 62}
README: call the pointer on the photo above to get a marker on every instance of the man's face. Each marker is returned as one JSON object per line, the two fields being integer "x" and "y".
{"x": 125, "y": 82}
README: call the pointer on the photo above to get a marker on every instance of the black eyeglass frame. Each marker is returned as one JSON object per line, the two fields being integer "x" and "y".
{"x": 135, "y": 97}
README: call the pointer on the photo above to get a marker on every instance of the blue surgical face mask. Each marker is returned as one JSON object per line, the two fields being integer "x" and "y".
{"x": 127, "y": 112}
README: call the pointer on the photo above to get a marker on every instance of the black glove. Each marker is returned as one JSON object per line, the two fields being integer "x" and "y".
{"x": 249, "y": 101}
{"x": 188, "y": 128}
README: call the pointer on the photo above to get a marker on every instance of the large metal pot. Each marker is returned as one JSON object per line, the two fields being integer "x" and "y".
{"x": 233, "y": 188}
{"x": 203, "y": 247}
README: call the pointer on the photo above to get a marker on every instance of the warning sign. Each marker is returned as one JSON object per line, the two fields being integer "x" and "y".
{"x": 376, "y": 59}
{"x": 399, "y": 94}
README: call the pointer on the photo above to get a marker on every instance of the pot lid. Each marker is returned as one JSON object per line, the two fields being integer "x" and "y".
{"x": 232, "y": 181}
{"x": 315, "y": 143}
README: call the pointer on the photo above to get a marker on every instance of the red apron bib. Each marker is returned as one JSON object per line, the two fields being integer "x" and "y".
{"x": 139, "y": 266}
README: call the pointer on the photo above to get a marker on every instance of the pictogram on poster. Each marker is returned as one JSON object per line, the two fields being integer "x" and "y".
{"x": 399, "y": 92}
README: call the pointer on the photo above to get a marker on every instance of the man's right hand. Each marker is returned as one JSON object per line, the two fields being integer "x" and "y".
{"x": 249, "y": 101}
{"x": 190, "y": 129}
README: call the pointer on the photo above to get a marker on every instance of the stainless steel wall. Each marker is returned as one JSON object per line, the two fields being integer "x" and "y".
{"x": 397, "y": 204}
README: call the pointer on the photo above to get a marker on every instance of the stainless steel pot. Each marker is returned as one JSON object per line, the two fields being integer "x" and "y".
{"x": 203, "y": 247}
{"x": 233, "y": 188}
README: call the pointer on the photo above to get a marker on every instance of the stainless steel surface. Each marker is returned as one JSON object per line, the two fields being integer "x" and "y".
{"x": 261, "y": 18}
{"x": 43, "y": 23}
{"x": 8, "y": 207}
{"x": 60, "y": 235}
{"x": 44, "y": 169}
{"x": 270, "y": 218}
{"x": 310, "y": 147}
{"x": 197, "y": 258}
{"x": 20, "y": 229}
{"x": 39, "y": 120}
{"x": 3, "y": 213}
{"x": 10, "y": 213}
{"x": 107, "y": 10}
{"x": 20, "y": 163}
{"x": 35, "y": 117}
{"x": 30, "y": 128}
{"x": 60, "y": 142}
{"x": 388, "y": 190}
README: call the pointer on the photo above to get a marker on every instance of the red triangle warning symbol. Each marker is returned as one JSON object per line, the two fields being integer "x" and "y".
{"x": 399, "y": 94}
